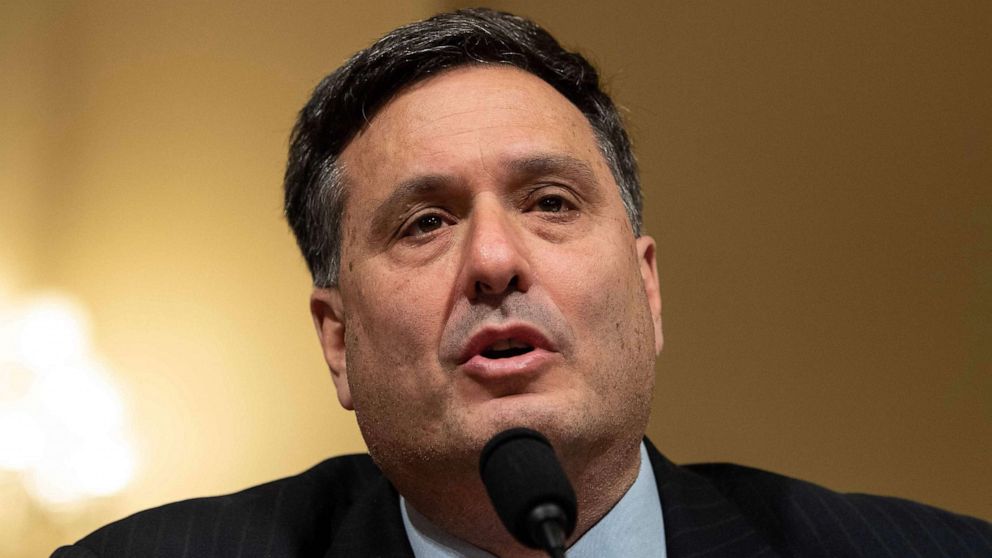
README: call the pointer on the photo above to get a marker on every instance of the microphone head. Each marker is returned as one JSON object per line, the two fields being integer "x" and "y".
{"x": 527, "y": 485}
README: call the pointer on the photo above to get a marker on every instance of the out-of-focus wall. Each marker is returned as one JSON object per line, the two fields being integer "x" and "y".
{"x": 819, "y": 177}
{"x": 25, "y": 55}
{"x": 143, "y": 145}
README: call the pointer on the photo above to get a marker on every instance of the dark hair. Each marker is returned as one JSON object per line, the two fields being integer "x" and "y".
{"x": 344, "y": 102}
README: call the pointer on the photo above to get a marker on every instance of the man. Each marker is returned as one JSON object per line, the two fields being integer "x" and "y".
{"x": 467, "y": 201}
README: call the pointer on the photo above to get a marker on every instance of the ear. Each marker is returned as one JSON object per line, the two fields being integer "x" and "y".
{"x": 328, "y": 317}
{"x": 649, "y": 274}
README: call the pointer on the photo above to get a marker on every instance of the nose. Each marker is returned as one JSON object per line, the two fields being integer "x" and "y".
{"x": 494, "y": 259}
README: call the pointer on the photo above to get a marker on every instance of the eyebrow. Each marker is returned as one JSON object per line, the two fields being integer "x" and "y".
{"x": 546, "y": 164}
{"x": 434, "y": 186}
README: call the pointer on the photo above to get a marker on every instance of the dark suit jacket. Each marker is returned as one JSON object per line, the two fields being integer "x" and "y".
{"x": 344, "y": 507}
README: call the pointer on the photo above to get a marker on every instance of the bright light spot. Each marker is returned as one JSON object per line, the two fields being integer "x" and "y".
{"x": 81, "y": 398}
{"x": 53, "y": 331}
{"x": 105, "y": 469}
{"x": 16, "y": 381}
{"x": 61, "y": 416}
{"x": 22, "y": 437}
{"x": 97, "y": 468}
{"x": 53, "y": 484}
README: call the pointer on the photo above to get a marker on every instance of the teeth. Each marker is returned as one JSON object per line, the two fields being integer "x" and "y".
{"x": 505, "y": 344}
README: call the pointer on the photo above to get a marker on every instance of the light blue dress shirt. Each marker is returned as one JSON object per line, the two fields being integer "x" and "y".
{"x": 634, "y": 528}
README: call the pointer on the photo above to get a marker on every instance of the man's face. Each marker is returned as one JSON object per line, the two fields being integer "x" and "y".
{"x": 489, "y": 276}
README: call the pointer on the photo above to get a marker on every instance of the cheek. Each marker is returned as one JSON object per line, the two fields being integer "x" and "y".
{"x": 391, "y": 337}
{"x": 387, "y": 310}
{"x": 589, "y": 278}
{"x": 604, "y": 301}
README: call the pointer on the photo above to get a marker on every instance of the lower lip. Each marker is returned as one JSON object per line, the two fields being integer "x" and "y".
{"x": 483, "y": 368}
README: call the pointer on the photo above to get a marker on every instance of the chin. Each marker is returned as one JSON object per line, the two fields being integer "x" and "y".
{"x": 556, "y": 419}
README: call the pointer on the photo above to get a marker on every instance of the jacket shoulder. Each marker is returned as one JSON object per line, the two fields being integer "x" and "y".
{"x": 293, "y": 516}
{"x": 803, "y": 519}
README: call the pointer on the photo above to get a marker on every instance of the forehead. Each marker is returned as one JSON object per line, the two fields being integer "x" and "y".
{"x": 466, "y": 123}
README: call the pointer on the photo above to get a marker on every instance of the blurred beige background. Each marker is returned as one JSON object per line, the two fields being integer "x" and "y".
{"x": 818, "y": 177}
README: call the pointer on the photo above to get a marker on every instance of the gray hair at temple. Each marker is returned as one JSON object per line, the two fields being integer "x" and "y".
{"x": 347, "y": 99}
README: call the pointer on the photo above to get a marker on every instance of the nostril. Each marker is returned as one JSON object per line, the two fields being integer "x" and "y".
{"x": 487, "y": 289}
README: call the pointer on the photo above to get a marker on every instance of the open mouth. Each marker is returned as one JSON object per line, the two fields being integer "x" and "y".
{"x": 506, "y": 348}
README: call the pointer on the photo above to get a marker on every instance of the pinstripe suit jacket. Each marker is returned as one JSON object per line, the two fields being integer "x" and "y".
{"x": 345, "y": 507}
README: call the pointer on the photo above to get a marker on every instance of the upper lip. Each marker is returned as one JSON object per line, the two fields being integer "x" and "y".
{"x": 488, "y": 335}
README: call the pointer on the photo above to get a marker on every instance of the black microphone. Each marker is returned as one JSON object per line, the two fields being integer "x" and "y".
{"x": 529, "y": 489}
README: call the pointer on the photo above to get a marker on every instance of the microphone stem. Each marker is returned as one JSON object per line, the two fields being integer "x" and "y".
{"x": 553, "y": 538}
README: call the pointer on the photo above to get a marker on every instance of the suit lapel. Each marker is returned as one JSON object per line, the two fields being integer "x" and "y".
{"x": 699, "y": 521}
{"x": 372, "y": 526}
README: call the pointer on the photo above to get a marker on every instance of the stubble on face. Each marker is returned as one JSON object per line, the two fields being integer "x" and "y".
{"x": 417, "y": 414}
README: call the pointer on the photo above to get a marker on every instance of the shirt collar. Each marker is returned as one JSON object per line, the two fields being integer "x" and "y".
{"x": 634, "y": 527}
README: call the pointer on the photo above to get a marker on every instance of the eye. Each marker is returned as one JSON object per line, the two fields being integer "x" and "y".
{"x": 551, "y": 204}
{"x": 554, "y": 203}
{"x": 425, "y": 224}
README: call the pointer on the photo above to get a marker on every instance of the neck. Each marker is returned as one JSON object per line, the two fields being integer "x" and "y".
{"x": 458, "y": 503}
